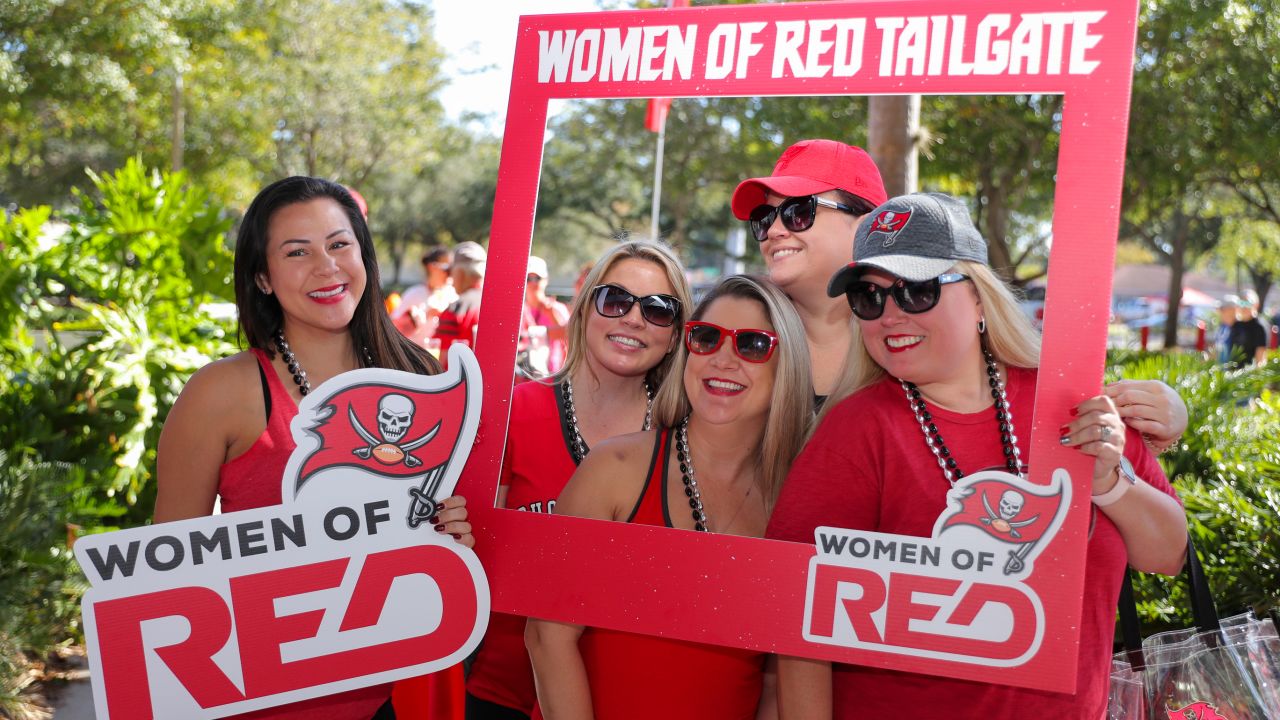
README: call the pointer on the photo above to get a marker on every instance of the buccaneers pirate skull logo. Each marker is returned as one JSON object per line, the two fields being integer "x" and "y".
{"x": 1002, "y": 520}
{"x": 395, "y": 415}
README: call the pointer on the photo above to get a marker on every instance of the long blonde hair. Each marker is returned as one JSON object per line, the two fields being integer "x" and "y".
{"x": 657, "y": 253}
{"x": 790, "y": 407}
{"x": 1011, "y": 338}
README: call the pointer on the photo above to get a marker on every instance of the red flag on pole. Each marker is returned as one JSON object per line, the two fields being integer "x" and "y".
{"x": 656, "y": 117}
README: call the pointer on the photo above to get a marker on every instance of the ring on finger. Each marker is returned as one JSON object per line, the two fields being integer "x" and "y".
{"x": 1106, "y": 432}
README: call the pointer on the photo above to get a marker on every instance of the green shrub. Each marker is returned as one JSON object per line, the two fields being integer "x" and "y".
{"x": 100, "y": 327}
{"x": 1226, "y": 468}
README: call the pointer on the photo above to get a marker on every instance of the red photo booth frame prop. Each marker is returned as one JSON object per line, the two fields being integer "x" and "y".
{"x": 747, "y": 592}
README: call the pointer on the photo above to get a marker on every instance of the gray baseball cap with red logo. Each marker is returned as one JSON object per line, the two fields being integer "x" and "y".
{"x": 916, "y": 237}
{"x": 810, "y": 167}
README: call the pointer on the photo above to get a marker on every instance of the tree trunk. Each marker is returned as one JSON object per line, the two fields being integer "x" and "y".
{"x": 892, "y": 129}
{"x": 1261, "y": 284}
{"x": 1177, "y": 267}
{"x": 996, "y": 231}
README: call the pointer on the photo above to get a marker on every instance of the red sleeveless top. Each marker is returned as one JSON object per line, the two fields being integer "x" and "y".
{"x": 642, "y": 676}
{"x": 252, "y": 480}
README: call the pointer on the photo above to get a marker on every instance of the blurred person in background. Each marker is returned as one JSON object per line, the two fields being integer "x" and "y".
{"x": 1226, "y": 318}
{"x": 1248, "y": 339}
{"x": 421, "y": 305}
{"x": 458, "y": 321}
{"x": 542, "y": 322}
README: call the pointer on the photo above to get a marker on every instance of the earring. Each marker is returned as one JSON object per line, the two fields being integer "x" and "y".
{"x": 982, "y": 325}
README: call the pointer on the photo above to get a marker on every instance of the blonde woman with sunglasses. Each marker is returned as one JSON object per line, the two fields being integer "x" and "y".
{"x": 939, "y": 380}
{"x": 727, "y": 434}
{"x": 622, "y": 333}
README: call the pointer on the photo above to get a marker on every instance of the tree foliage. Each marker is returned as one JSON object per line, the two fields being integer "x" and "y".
{"x": 1231, "y": 489}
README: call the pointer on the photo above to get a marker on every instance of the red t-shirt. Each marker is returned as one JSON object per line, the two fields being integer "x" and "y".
{"x": 868, "y": 468}
{"x": 458, "y": 322}
{"x": 252, "y": 480}
{"x": 535, "y": 467}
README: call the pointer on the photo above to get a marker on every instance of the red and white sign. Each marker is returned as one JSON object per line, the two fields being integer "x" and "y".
{"x": 761, "y": 594}
{"x": 863, "y": 586}
{"x": 340, "y": 587}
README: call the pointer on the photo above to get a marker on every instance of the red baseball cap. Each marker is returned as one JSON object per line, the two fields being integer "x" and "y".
{"x": 810, "y": 167}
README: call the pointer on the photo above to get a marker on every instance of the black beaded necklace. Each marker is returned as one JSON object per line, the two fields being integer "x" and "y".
{"x": 578, "y": 447}
{"x": 933, "y": 438}
{"x": 295, "y": 368}
{"x": 690, "y": 479}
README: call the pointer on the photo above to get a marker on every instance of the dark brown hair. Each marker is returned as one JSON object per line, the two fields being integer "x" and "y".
{"x": 260, "y": 314}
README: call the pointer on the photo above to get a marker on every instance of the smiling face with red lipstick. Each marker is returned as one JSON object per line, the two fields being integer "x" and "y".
{"x": 314, "y": 265}
{"x": 924, "y": 347}
{"x": 722, "y": 385}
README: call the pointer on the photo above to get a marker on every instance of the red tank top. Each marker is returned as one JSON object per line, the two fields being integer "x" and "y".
{"x": 642, "y": 676}
{"x": 252, "y": 480}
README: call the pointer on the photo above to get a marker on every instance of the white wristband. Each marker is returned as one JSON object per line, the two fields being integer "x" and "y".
{"x": 1125, "y": 480}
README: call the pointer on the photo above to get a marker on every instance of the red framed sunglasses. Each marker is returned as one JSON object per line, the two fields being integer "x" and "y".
{"x": 704, "y": 338}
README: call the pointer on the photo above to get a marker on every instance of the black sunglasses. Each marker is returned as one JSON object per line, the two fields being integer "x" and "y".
{"x": 798, "y": 214}
{"x": 867, "y": 299}
{"x": 612, "y": 301}
{"x": 704, "y": 338}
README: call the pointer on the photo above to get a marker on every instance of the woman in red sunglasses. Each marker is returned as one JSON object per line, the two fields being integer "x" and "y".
{"x": 939, "y": 380}
{"x": 621, "y": 336}
{"x": 727, "y": 434}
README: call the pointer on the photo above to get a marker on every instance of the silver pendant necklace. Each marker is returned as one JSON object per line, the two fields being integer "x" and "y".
{"x": 578, "y": 447}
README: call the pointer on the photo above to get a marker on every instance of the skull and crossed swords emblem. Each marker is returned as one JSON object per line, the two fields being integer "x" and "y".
{"x": 395, "y": 415}
{"x": 1011, "y": 502}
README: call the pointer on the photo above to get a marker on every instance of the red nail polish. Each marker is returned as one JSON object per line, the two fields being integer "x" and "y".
{"x": 456, "y": 536}
{"x": 440, "y": 527}
{"x": 1063, "y": 430}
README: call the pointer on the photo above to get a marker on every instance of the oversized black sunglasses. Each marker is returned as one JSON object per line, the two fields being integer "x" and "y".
{"x": 704, "y": 338}
{"x": 798, "y": 214}
{"x": 612, "y": 301}
{"x": 867, "y": 299}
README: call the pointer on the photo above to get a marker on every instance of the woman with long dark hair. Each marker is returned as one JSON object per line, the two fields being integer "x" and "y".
{"x": 310, "y": 308}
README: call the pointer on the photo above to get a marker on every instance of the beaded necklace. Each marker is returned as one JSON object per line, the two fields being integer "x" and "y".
{"x": 578, "y": 447}
{"x": 933, "y": 438}
{"x": 295, "y": 368}
{"x": 690, "y": 479}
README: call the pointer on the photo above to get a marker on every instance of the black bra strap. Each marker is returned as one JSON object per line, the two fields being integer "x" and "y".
{"x": 266, "y": 392}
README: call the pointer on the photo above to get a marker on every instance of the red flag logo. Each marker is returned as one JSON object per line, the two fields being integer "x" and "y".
{"x": 387, "y": 430}
{"x": 1005, "y": 511}
{"x": 889, "y": 222}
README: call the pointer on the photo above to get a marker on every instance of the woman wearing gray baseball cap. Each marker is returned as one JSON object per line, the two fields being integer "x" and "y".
{"x": 942, "y": 362}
